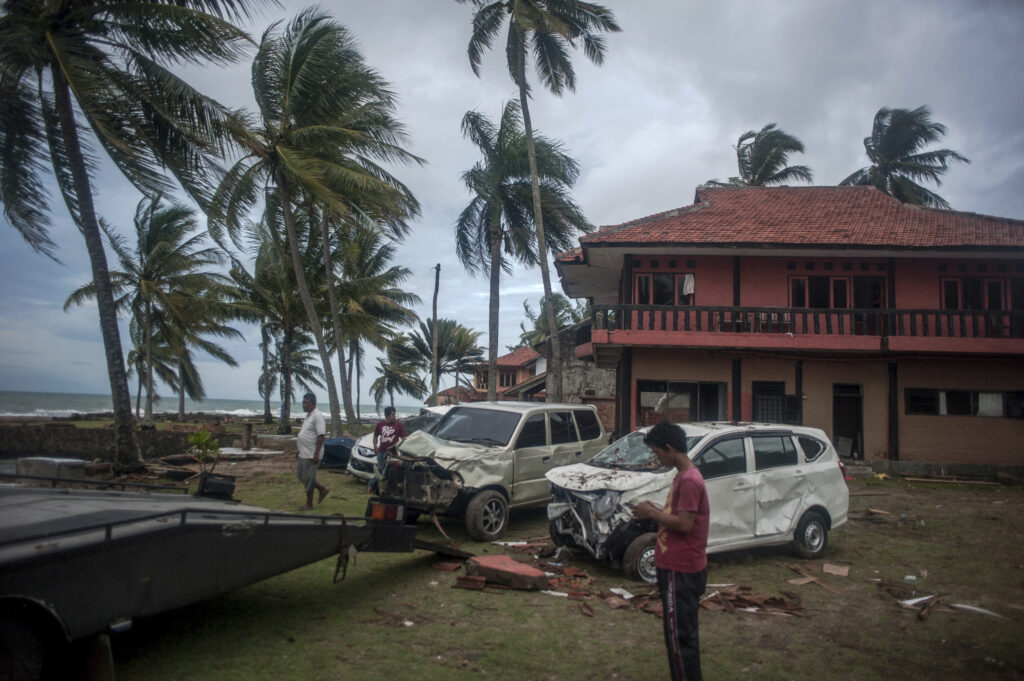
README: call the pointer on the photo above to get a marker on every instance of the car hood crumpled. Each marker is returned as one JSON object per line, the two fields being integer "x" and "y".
{"x": 582, "y": 477}
{"x": 422, "y": 445}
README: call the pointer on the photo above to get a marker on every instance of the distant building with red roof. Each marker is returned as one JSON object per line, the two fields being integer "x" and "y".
{"x": 897, "y": 329}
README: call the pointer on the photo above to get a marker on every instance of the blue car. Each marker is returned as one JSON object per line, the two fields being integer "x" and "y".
{"x": 337, "y": 451}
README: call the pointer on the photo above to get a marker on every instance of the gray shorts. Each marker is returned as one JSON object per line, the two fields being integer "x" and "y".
{"x": 306, "y": 470}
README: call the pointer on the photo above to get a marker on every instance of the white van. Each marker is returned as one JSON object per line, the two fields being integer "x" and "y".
{"x": 767, "y": 485}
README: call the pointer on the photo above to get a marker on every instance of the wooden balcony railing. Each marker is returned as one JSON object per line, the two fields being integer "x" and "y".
{"x": 806, "y": 321}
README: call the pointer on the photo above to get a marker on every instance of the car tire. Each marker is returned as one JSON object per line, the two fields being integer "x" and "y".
{"x": 811, "y": 536}
{"x": 638, "y": 560}
{"x": 487, "y": 516}
{"x": 21, "y": 646}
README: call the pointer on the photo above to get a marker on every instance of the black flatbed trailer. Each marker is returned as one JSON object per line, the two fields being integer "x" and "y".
{"x": 78, "y": 564}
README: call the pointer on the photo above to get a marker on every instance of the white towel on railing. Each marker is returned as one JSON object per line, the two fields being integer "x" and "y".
{"x": 687, "y": 285}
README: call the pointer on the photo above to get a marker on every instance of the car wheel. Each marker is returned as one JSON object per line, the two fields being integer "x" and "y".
{"x": 487, "y": 516}
{"x": 811, "y": 535}
{"x": 638, "y": 560}
{"x": 21, "y": 647}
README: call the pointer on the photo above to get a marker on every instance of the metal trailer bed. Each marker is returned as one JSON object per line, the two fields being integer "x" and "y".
{"x": 88, "y": 562}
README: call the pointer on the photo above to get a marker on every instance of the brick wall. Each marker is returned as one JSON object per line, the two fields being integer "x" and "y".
{"x": 961, "y": 439}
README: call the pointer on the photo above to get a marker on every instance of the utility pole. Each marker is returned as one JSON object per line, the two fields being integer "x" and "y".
{"x": 433, "y": 349}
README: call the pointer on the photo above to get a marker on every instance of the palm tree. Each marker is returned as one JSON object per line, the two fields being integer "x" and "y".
{"x": 269, "y": 297}
{"x": 368, "y": 288}
{"x": 896, "y": 151}
{"x": 69, "y": 67}
{"x": 465, "y": 353}
{"x": 325, "y": 120}
{"x": 497, "y": 226}
{"x": 397, "y": 374}
{"x": 566, "y": 312}
{"x": 163, "y": 281}
{"x": 547, "y": 28}
{"x": 762, "y": 159}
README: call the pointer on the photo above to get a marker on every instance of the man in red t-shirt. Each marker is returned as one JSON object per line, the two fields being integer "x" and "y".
{"x": 680, "y": 554}
{"x": 386, "y": 435}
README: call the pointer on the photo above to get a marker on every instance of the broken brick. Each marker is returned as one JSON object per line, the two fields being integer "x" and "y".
{"x": 507, "y": 571}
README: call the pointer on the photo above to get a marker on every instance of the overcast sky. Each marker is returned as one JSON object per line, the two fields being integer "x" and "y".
{"x": 679, "y": 85}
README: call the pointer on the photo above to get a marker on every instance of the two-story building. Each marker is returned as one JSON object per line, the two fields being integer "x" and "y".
{"x": 897, "y": 329}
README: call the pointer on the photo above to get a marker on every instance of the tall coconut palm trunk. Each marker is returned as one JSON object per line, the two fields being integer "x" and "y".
{"x": 268, "y": 417}
{"x": 285, "y": 426}
{"x": 493, "y": 312}
{"x": 553, "y": 384}
{"x": 148, "y": 322}
{"x": 181, "y": 391}
{"x": 307, "y": 299}
{"x": 339, "y": 343}
{"x": 126, "y": 447}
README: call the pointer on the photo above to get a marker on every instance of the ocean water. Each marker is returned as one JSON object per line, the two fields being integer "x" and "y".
{"x": 37, "y": 405}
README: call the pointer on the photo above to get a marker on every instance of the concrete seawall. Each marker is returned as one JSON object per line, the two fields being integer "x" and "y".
{"x": 65, "y": 440}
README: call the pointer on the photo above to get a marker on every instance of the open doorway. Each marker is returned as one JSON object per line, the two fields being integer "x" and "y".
{"x": 848, "y": 420}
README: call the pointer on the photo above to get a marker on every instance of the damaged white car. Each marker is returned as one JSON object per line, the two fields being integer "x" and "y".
{"x": 767, "y": 485}
{"x": 483, "y": 459}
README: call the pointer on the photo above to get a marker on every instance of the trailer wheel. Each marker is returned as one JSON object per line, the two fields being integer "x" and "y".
{"x": 21, "y": 646}
{"x": 638, "y": 560}
{"x": 487, "y": 516}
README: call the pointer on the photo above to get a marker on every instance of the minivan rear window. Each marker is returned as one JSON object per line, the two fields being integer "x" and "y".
{"x": 587, "y": 422}
{"x": 562, "y": 427}
{"x": 813, "y": 448}
{"x": 774, "y": 451}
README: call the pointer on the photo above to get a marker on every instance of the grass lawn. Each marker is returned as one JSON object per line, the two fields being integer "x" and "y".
{"x": 962, "y": 541}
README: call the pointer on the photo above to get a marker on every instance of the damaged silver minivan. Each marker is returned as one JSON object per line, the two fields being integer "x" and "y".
{"x": 767, "y": 485}
{"x": 483, "y": 458}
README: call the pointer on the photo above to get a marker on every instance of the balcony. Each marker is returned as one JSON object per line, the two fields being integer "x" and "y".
{"x": 774, "y": 328}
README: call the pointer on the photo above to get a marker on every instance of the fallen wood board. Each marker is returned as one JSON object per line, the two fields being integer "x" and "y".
{"x": 951, "y": 481}
{"x": 837, "y": 570}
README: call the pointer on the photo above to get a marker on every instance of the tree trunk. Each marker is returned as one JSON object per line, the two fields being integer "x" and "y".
{"x": 138, "y": 396}
{"x": 353, "y": 373}
{"x": 495, "y": 303}
{"x": 285, "y": 426}
{"x": 553, "y": 384}
{"x": 181, "y": 391}
{"x": 433, "y": 345}
{"x": 307, "y": 299}
{"x": 338, "y": 341}
{"x": 265, "y": 389}
{"x": 148, "y": 416}
{"x": 356, "y": 356}
{"x": 126, "y": 446}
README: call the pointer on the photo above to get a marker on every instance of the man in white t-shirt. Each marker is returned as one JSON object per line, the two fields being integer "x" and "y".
{"x": 311, "y": 445}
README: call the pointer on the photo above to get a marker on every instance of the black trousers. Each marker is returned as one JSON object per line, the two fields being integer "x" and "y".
{"x": 680, "y": 600}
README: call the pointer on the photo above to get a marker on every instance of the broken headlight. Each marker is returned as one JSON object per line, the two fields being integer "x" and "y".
{"x": 605, "y": 505}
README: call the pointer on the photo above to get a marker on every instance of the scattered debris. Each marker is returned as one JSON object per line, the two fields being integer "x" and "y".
{"x": 802, "y": 571}
{"x": 586, "y": 610}
{"x": 507, "y": 571}
{"x": 837, "y": 570}
{"x": 447, "y": 567}
{"x": 975, "y": 609}
{"x": 951, "y": 481}
{"x": 472, "y": 582}
{"x": 621, "y": 592}
{"x": 739, "y": 598}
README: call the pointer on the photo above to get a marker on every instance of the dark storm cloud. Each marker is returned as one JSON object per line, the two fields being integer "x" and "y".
{"x": 678, "y": 87}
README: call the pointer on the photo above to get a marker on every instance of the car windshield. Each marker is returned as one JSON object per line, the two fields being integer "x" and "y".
{"x": 489, "y": 427}
{"x": 421, "y": 422}
{"x": 631, "y": 452}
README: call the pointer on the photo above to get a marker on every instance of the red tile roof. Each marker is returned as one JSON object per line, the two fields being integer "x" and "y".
{"x": 517, "y": 357}
{"x": 808, "y": 217}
